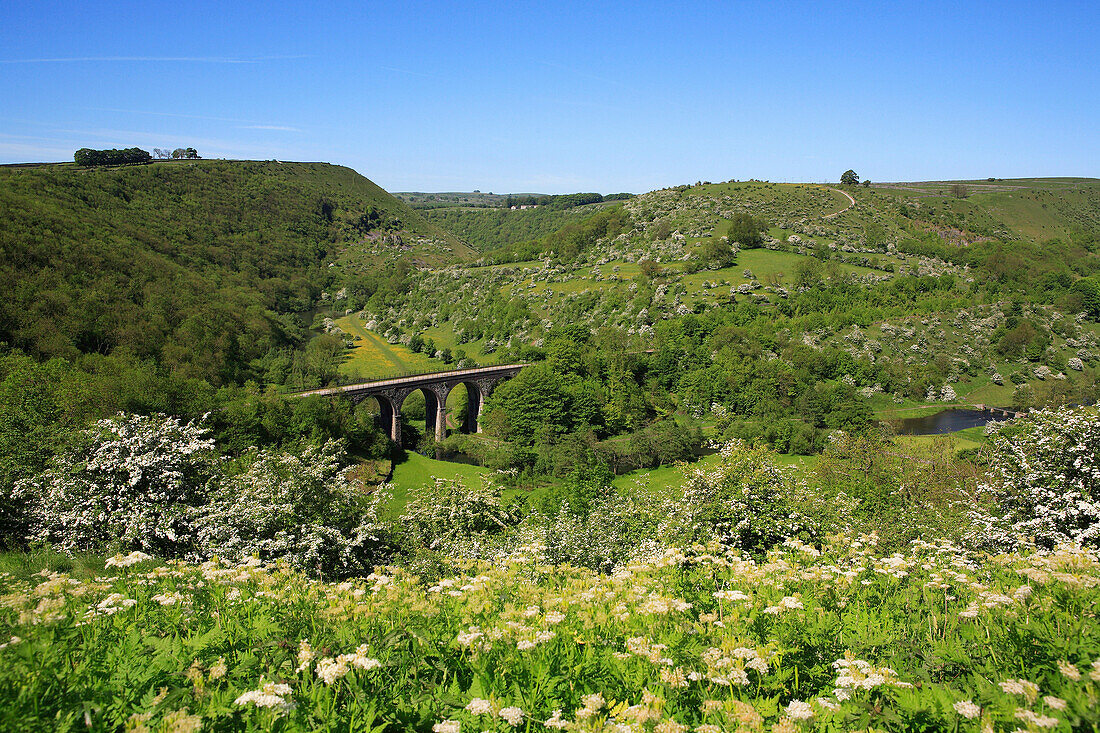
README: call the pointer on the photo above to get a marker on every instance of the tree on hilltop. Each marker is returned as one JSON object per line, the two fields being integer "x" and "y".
{"x": 849, "y": 178}
{"x": 130, "y": 156}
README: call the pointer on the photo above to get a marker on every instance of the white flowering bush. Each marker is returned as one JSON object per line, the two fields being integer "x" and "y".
{"x": 746, "y": 501}
{"x": 1044, "y": 479}
{"x": 298, "y": 508}
{"x": 619, "y": 526}
{"x": 448, "y": 515}
{"x": 132, "y": 483}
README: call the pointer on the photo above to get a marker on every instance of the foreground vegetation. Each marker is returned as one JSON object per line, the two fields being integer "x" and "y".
{"x": 744, "y": 598}
{"x": 704, "y": 639}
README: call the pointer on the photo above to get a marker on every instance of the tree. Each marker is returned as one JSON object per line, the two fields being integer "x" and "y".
{"x": 532, "y": 402}
{"x": 745, "y": 501}
{"x": 649, "y": 268}
{"x": 960, "y": 191}
{"x": 849, "y": 178}
{"x": 299, "y": 507}
{"x": 1089, "y": 291}
{"x": 747, "y": 230}
{"x": 129, "y": 156}
{"x": 717, "y": 253}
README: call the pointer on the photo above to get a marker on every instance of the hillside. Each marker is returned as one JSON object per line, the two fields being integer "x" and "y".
{"x": 486, "y": 229}
{"x": 421, "y": 200}
{"x": 899, "y": 297}
{"x": 195, "y": 265}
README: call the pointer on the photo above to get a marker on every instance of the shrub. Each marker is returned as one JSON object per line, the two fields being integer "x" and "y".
{"x": 747, "y": 501}
{"x": 1044, "y": 477}
{"x": 133, "y": 483}
{"x": 450, "y": 516}
{"x": 298, "y": 508}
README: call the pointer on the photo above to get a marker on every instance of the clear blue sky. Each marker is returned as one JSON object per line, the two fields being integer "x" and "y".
{"x": 558, "y": 97}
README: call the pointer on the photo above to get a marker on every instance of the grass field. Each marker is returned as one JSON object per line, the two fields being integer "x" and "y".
{"x": 373, "y": 357}
{"x": 665, "y": 477}
{"x": 960, "y": 440}
{"x": 417, "y": 471}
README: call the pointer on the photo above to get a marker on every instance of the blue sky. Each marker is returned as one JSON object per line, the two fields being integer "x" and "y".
{"x": 559, "y": 97}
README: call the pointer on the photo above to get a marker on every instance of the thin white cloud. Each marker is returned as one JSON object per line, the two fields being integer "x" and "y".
{"x": 167, "y": 114}
{"x": 244, "y": 124}
{"x": 12, "y": 152}
{"x": 153, "y": 59}
{"x": 282, "y": 128}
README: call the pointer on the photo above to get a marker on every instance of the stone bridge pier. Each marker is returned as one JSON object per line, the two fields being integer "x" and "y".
{"x": 392, "y": 393}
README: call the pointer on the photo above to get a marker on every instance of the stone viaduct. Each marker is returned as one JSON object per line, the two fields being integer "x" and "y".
{"x": 391, "y": 394}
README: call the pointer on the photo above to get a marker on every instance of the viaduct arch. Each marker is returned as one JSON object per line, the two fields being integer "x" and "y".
{"x": 391, "y": 395}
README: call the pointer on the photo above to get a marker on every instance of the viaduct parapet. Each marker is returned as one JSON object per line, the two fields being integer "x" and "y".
{"x": 391, "y": 394}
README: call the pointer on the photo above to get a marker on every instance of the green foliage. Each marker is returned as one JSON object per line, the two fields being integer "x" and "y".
{"x": 570, "y": 240}
{"x": 840, "y": 632}
{"x": 489, "y": 229}
{"x": 716, "y": 253}
{"x": 901, "y": 494}
{"x": 299, "y": 508}
{"x": 849, "y": 178}
{"x": 532, "y": 404}
{"x": 129, "y": 156}
{"x": 747, "y": 230}
{"x": 197, "y": 267}
{"x": 578, "y": 492}
{"x": 449, "y": 516}
{"x": 560, "y": 201}
{"x": 1088, "y": 289}
{"x": 746, "y": 501}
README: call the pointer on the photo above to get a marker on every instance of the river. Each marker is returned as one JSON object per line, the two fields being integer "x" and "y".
{"x": 945, "y": 421}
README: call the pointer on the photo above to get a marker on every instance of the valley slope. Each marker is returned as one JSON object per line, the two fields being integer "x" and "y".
{"x": 195, "y": 264}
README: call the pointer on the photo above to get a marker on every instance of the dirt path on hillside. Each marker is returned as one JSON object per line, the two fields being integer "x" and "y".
{"x": 847, "y": 196}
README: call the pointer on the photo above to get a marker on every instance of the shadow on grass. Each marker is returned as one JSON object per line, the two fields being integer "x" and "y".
{"x": 23, "y": 564}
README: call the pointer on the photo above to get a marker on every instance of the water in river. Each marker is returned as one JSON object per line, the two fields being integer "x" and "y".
{"x": 946, "y": 421}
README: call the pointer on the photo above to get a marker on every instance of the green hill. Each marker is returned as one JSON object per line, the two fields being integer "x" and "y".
{"x": 905, "y": 294}
{"x": 195, "y": 265}
{"x": 486, "y": 229}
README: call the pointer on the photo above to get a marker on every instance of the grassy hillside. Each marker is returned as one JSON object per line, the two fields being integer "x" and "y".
{"x": 489, "y": 228}
{"x": 195, "y": 265}
{"x": 897, "y": 296}
{"x": 419, "y": 200}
